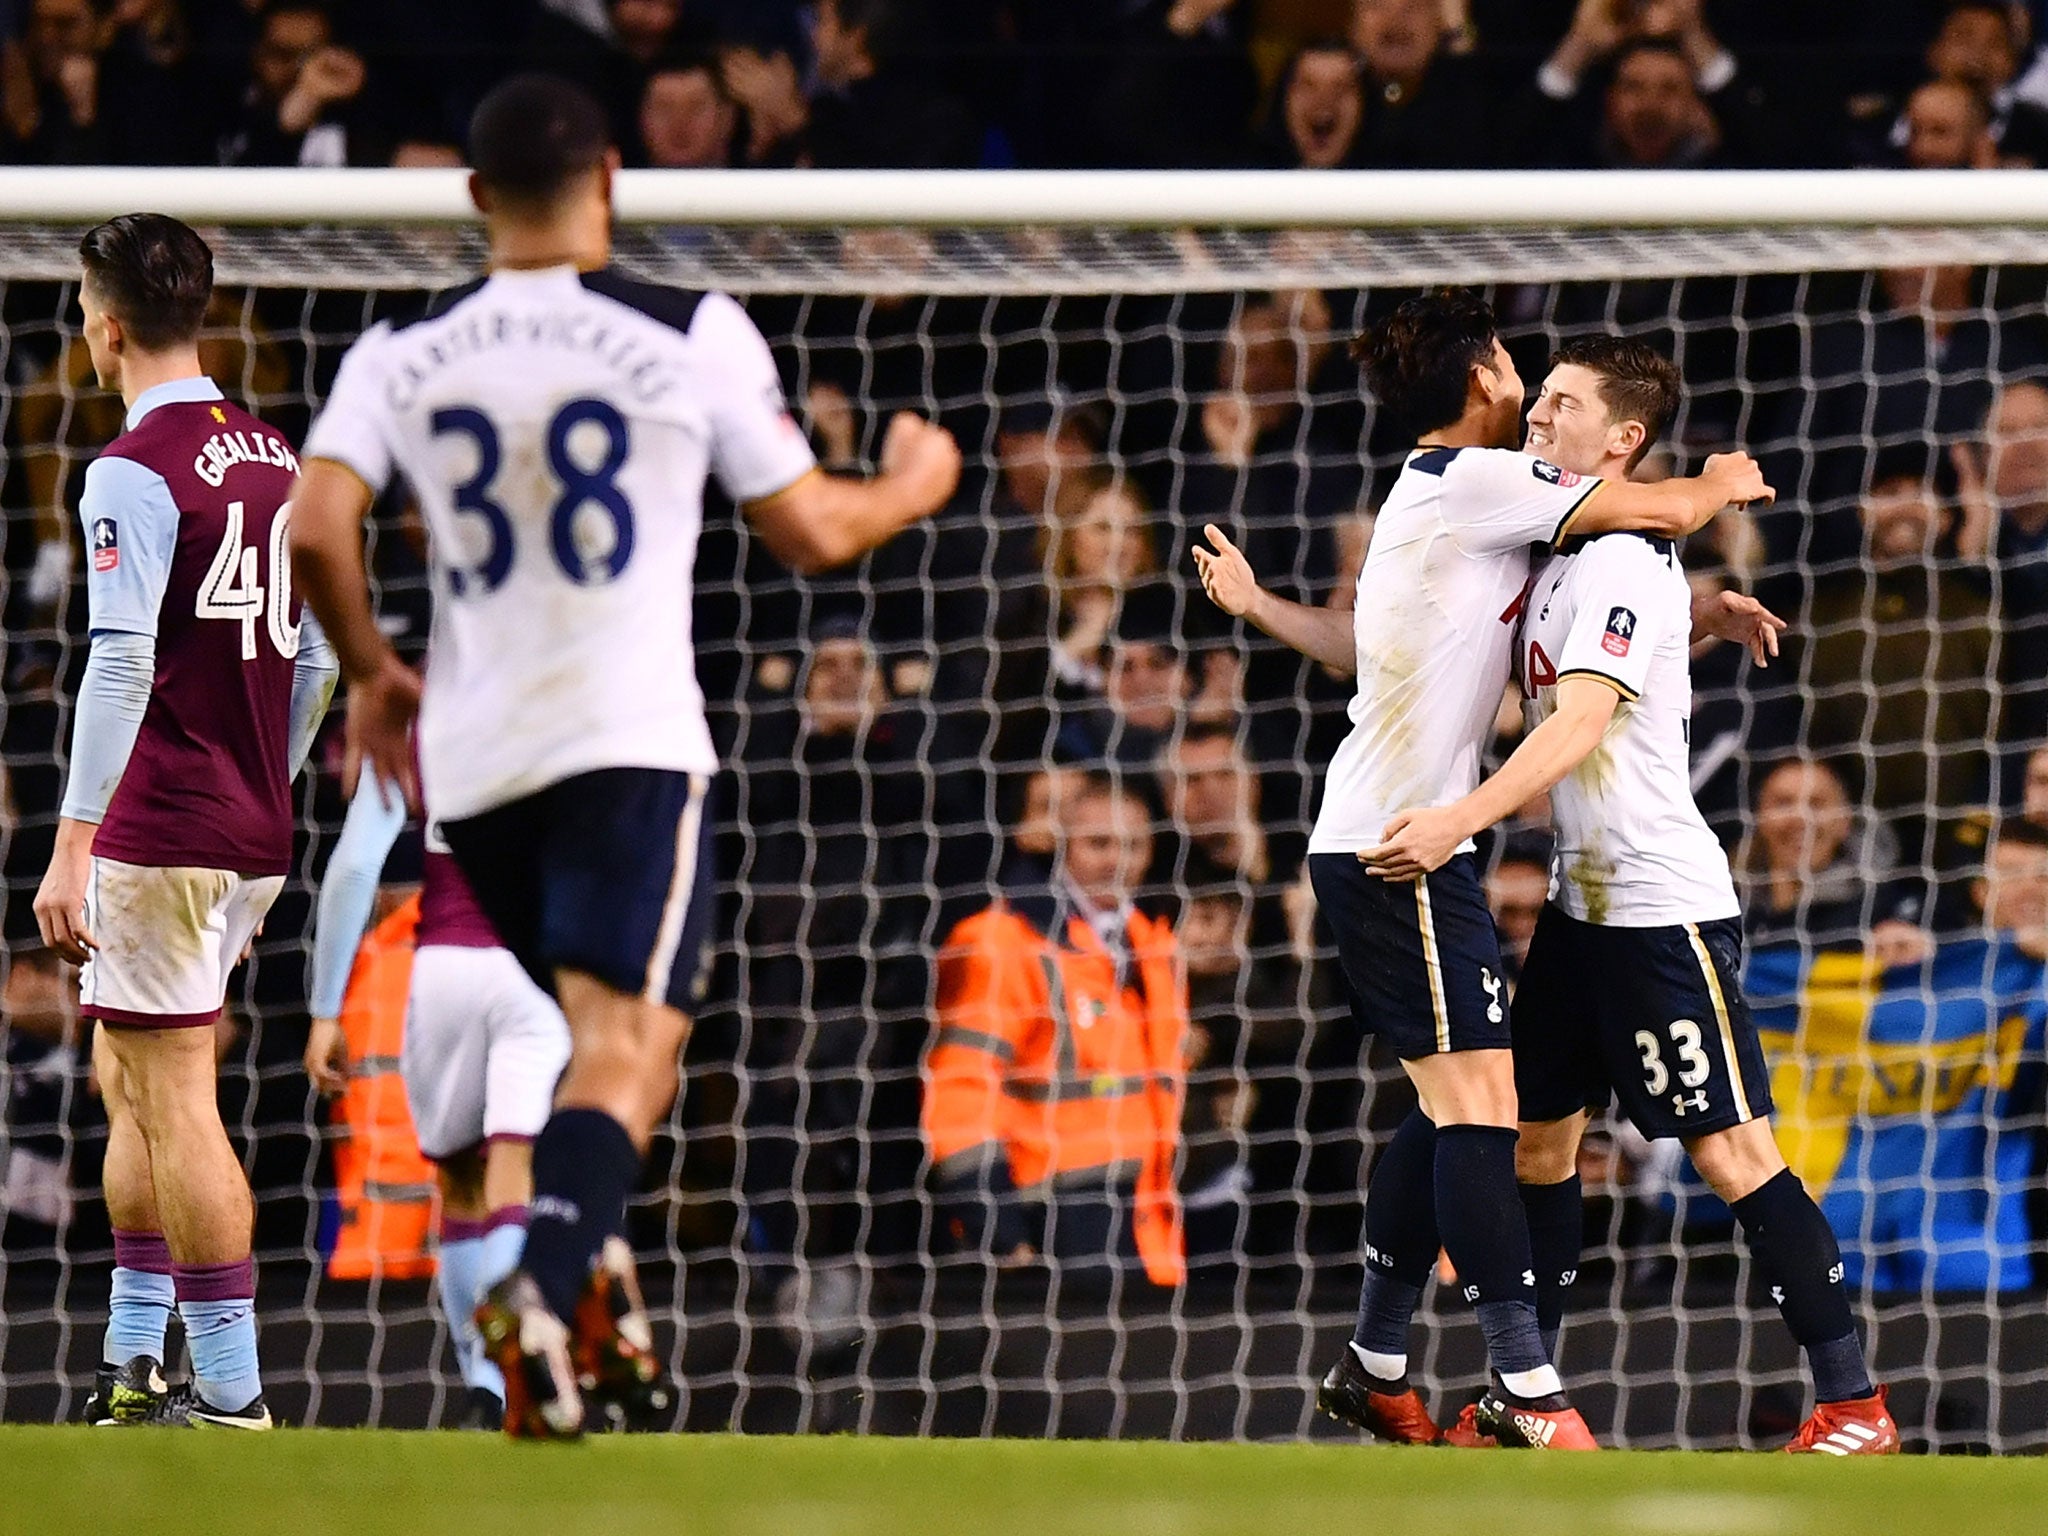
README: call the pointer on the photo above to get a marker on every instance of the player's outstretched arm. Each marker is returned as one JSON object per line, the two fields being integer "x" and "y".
{"x": 826, "y": 520}
{"x": 328, "y": 507}
{"x": 1673, "y": 508}
{"x": 348, "y": 896}
{"x": 1321, "y": 634}
{"x": 1418, "y": 841}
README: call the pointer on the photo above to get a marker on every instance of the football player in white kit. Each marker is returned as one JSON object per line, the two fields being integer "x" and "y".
{"x": 557, "y": 421}
{"x": 1437, "y": 603}
{"x": 1640, "y": 898}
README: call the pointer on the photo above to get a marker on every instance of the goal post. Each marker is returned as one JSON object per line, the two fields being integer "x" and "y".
{"x": 1163, "y": 349}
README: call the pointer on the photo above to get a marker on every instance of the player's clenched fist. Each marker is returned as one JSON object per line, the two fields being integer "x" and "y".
{"x": 1738, "y": 477}
{"x": 923, "y": 458}
{"x": 1226, "y": 574}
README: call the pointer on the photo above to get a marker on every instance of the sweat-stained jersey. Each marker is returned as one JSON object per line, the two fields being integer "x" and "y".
{"x": 1438, "y": 600}
{"x": 186, "y": 523}
{"x": 1633, "y": 850}
{"x": 557, "y": 428}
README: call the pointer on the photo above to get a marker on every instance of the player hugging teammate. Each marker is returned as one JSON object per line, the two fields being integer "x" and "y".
{"x": 1642, "y": 891}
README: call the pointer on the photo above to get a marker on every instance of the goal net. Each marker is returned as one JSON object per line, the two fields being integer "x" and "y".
{"x": 1125, "y": 360}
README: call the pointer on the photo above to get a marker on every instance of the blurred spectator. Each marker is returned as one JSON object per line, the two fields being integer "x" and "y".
{"x": 1091, "y": 562}
{"x": 1425, "y": 107}
{"x": 1968, "y": 114}
{"x": 1053, "y": 1089}
{"x": 1517, "y": 888}
{"x": 1318, "y": 108}
{"x": 41, "y": 1065}
{"x": 1179, "y": 88}
{"x": 296, "y": 105}
{"x": 53, "y": 94}
{"x": 161, "y": 110}
{"x": 1909, "y": 357}
{"x": 1124, "y": 713}
{"x": 2034, "y": 788}
{"x": 2004, "y": 493}
{"x": 834, "y": 933}
{"x": 1215, "y": 1176}
{"x": 688, "y": 120}
{"x": 1945, "y": 127}
{"x": 1654, "y": 117}
{"x": 868, "y": 100}
{"x": 615, "y": 59}
{"x": 1896, "y": 662}
{"x": 1671, "y": 94}
{"x": 1810, "y": 871}
{"x": 1240, "y": 1175}
{"x": 1910, "y": 1110}
{"x": 1211, "y": 794}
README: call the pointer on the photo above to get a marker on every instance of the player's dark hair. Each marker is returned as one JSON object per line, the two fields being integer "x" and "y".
{"x": 154, "y": 274}
{"x": 533, "y": 135}
{"x": 1418, "y": 361}
{"x": 1637, "y": 382}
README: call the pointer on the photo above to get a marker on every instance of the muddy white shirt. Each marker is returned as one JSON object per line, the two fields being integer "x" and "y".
{"x": 1439, "y": 598}
{"x": 557, "y": 428}
{"x": 1633, "y": 850}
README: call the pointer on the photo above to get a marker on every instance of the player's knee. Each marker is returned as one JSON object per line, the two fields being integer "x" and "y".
{"x": 1738, "y": 1161}
{"x": 461, "y": 1176}
{"x": 1548, "y": 1152}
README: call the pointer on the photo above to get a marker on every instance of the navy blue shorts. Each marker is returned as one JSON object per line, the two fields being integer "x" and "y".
{"x": 1420, "y": 957}
{"x": 607, "y": 873}
{"x": 1652, "y": 1016}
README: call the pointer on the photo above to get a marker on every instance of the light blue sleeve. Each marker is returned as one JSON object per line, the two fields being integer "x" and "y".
{"x": 348, "y": 894}
{"x": 113, "y": 696}
{"x": 131, "y": 537}
{"x": 314, "y": 675}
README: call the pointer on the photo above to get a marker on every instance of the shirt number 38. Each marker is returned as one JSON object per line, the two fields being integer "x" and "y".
{"x": 590, "y": 525}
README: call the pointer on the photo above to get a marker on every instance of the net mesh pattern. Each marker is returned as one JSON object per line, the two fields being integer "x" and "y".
{"x": 805, "y": 1278}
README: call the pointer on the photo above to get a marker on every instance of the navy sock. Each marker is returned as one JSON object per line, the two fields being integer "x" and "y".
{"x": 1400, "y": 1247}
{"x": 1557, "y": 1231}
{"x": 1479, "y": 1213}
{"x": 584, "y": 1166}
{"x": 1797, "y": 1252}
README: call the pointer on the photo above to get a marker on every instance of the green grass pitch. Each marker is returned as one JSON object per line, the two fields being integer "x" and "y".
{"x": 369, "y": 1483}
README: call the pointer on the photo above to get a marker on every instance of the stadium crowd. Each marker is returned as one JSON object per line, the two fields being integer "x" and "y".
{"x": 996, "y": 83}
{"x": 1030, "y": 696}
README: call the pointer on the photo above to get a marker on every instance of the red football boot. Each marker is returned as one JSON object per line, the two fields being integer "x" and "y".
{"x": 1466, "y": 1435}
{"x": 1862, "y": 1426}
{"x": 1532, "y": 1428}
{"x": 613, "y": 1346}
{"x": 1347, "y": 1395}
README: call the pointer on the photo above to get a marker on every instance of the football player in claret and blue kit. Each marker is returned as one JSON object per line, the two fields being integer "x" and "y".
{"x": 196, "y": 711}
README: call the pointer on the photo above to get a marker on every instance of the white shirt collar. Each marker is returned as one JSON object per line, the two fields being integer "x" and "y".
{"x": 171, "y": 390}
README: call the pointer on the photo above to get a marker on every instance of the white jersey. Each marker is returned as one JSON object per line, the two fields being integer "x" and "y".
{"x": 1633, "y": 850}
{"x": 557, "y": 428}
{"x": 1438, "y": 600}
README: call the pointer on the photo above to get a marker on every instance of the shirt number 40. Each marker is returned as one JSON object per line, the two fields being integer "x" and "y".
{"x": 232, "y": 589}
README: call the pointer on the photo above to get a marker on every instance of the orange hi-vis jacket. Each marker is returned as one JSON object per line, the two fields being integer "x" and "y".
{"x": 1050, "y": 1059}
{"x": 385, "y": 1186}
